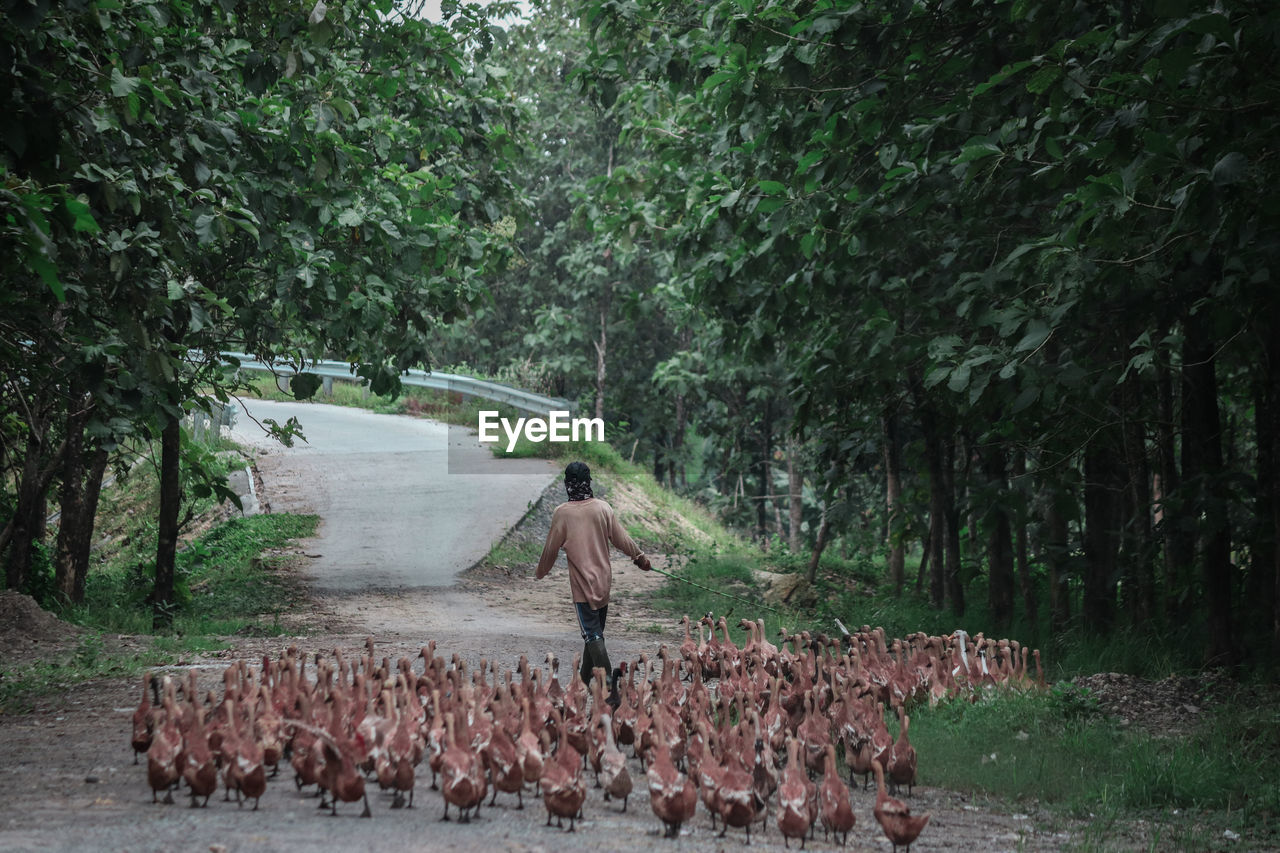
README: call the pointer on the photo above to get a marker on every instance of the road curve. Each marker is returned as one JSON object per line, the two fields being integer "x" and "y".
{"x": 395, "y": 511}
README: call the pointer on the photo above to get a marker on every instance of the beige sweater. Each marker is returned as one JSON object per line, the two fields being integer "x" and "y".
{"x": 585, "y": 530}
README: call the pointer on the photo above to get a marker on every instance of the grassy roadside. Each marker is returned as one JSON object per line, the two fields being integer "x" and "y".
{"x": 232, "y": 577}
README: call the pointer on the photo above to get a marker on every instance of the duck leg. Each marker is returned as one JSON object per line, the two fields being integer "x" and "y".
{"x": 366, "y": 812}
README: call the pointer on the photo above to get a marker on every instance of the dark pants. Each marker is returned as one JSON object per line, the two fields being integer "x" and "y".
{"x": 591, "y": 621}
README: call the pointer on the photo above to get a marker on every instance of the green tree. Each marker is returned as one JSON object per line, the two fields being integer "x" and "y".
{"x": 997, "y": 213}
{"x": 276, "y": 180}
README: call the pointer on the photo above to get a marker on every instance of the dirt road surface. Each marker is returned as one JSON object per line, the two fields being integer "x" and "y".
{"x": 68, "y": 781}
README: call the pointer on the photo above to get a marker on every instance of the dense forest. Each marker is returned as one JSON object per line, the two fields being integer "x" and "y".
{"x": 983, "y": 289}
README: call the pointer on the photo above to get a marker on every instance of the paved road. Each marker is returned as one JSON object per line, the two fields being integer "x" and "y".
{"x": 395, "y": 509}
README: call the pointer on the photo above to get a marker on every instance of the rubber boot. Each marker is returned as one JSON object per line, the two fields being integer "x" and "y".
{"x": 594, "y": 655}
{"x": 615, "y": 698}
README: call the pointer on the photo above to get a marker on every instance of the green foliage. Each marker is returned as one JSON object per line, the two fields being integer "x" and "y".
{"x": 575, "y": 293}
{"x": 1074, "y": 701}
{"x": 271, "y": 178}
{"x": 40, "y": 583}
{"x": 983, "y": 224}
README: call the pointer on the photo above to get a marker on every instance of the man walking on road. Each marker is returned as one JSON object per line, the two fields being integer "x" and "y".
{"x": 585, "y": 527}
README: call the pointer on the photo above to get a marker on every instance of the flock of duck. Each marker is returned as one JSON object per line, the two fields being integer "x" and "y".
{"x": 751, "y": 731}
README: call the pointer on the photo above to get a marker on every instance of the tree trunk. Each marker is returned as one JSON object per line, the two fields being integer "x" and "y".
{"x": 766, "y": 474}
{"x": 1260, "y": 583}
{"x": 923, "y": 568}
{"x": 1203, "y": 472}
{"x": 1100, "y": 533}
{"x": 1139, "y": 546}
{"x": 1170, "y": 521}
{"x": 795, "y": 498}
{"x": 601, "y": 349}
{"x": 677, "y": 478}
{"x": 659, "y": 458}
{"x": 893, "y": 497}
{"x": 999, "y": 540}
{"x": 163, "y": 598}
{"x": 27, "y": 527}
{"x": 1026, "y": 585}
{"x": 71, "y": 497}
{"x": 820, "y": 544}
{"x": 972, "y": 547}
{"x": 1267, "y": 547}
{"x": 82, "y": 547}
{"x": 1056, "y": 550}
{"x": 23, "y": 527}
{"x": 682, "y": 418}
{"x": 955, "y": 567}
{"x": 939, "y": 503}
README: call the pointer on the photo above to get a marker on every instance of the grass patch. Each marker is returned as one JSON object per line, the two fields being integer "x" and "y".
{"x": 1125, "y": 649}
{"x": 1052, "y": 748}
{"x": 506, "y": 555}
{"x": 22, "y": 686}
{"x": 229, "y": 578}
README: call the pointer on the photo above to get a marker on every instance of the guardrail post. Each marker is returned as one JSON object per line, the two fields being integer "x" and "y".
{"x": 326, "y": 385}
{"x": 282, "y": 382}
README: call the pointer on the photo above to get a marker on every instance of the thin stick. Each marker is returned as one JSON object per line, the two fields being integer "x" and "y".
{"x": 716, "y": 591}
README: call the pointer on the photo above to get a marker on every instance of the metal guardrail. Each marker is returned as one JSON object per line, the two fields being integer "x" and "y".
{"x": 515, "y": 397}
